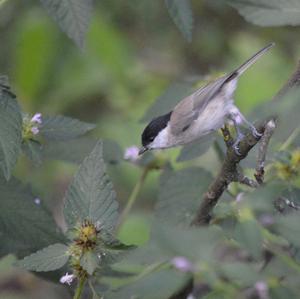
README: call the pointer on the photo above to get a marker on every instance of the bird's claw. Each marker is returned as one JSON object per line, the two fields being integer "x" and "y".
{"x": 236, "y": 149}
{"x": 255, "y": 133}
{"x": 235, "y": 146}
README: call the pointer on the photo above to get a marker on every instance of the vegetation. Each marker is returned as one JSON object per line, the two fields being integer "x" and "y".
{"x": 82, "y": 215}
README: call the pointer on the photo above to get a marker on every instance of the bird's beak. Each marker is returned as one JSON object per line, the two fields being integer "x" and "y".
{"x": 142, "y": 150}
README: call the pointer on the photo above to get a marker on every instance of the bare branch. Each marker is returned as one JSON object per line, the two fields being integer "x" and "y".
{"x": 262, "y": 151}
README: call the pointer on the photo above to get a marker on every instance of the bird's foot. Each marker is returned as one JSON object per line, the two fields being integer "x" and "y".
{"x": 254, "y": 132}
{"x": 236, "y": 143}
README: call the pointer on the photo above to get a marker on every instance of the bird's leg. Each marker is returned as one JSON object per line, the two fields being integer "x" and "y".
{"x": 239, "y": 134}
{"x": 236, "y": 113}
{"x": 254, "y": 132}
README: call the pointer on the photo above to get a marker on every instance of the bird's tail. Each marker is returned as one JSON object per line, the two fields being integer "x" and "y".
{"x": 240, "y": 70}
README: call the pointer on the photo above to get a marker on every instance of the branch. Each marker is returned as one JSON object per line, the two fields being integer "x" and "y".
{"x": 229, "y": 173}
{"x": 262, "y": 151}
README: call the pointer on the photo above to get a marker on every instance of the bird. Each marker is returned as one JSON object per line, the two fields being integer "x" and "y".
{"x": 203, "y": 112}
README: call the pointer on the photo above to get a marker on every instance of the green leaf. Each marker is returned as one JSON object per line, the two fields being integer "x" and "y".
{"x": 91, "y": 196}
{"x": 81, "y": 147}
{"x": 50, "y": 258}
{"x": 175, "y": 241}
{"x": 63, "y": 128}
{"x": 288, "y": 227}
{"x": 241, "y": 273}
{"x": 33, "y": 150}
{"x": 182, "y": 15}
{"x": 89, "y": 262}
{"x": 181, "y": 193}
{"x": 262, "y": 199}
{"x": 25, "y": 224}
{"x": 196, "y": 149}
{"x": 268, "y": 12}
{"x": 166, "y": 102}
{"x": 10, "y": 129}
{"x": 248, "y": 235}
{"x": 73, "y": 17}
{"x": 157, "y": 285}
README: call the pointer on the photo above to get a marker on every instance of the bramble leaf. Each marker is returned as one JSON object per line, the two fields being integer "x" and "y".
{"x": 50, "y": 258}
{"x": 179, "y": 196}
{"x": 89, "y": 262}
{"x": 248, "y": 235}
{"x": 10, "y": 128}
{"x": 182, "y": 15}
{"x": 73, "y": 17}
{"x": 63, "y": 128}
{"x": 25, "y": 224}
{"x": 91, "y": 196}
{"x": 268, "y": 12}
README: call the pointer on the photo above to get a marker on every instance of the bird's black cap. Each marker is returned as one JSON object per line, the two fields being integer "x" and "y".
{"x": 154, "y": 127}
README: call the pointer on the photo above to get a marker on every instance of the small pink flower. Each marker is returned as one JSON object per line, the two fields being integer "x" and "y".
{"x": 262, "y": 289}
{"x": 67, "y": 278}
{"x": 37, "y": 118}
{"x": 131, "y": 153}
{"x": 182, "y": 264}
{"x": 37, "y": 201}
{"x": 35, "y": 130}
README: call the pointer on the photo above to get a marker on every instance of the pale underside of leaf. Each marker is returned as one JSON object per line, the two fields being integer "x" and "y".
{"x": 73, "y": 17}
{"x": 91, "y": 196}
{"x": 181, "y": 13}
{"x": 50, "y": 258}
{"x": 269, "y": 12}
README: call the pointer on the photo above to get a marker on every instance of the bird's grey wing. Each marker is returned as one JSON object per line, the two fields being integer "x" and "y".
{"x": 188, "y": 109}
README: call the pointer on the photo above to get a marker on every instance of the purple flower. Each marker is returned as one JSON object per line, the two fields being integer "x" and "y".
{"x": 35, "y": 130}
{"x": 182, "y": 264}
{"x": 131, "y": 153}
{"x": 67, "y": 278}
{"x": 262, "y": 289}
{"x": 37, "y": 118}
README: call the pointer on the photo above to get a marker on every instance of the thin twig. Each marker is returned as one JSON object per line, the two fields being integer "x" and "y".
{"x": 262, "y": 151}
{"x": 242, "y": 179}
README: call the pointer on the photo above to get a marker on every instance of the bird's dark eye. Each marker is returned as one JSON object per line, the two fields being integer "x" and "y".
{"x": 151, "y": 138}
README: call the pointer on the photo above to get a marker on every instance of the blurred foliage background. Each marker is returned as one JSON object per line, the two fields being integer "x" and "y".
{"x": 133, "y": 53}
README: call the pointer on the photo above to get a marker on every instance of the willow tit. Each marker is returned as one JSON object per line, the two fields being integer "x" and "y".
{"x": 204, "y": 111}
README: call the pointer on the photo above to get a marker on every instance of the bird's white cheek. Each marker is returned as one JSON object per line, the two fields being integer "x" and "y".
{"x": 161, "y": 140}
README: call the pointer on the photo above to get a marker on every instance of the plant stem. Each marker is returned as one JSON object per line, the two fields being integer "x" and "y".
{"x": 79, "y": 288}
{"x": 133, "y": 196}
